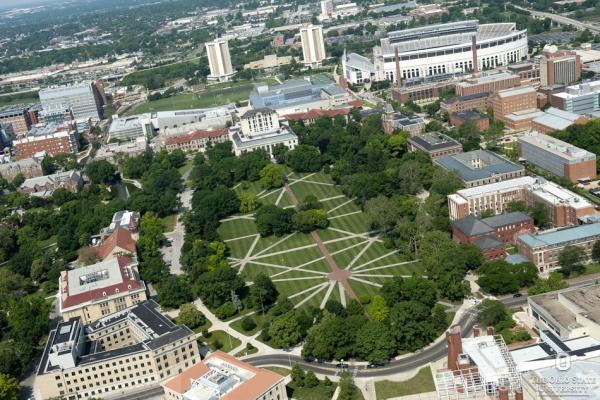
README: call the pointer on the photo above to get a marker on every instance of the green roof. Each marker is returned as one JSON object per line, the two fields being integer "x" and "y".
{"x": 562, "y": 236}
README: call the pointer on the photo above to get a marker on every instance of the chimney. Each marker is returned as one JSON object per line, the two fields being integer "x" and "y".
{"x": 454, "y": 346}
{"x": 518, "y": 394}
{"x": 476, "y": 331}
{"x": 491, "y": 331}
{"x": 398, "y": 78}
{"x": 474, "y": 50}
{"x": 503, "y": 393}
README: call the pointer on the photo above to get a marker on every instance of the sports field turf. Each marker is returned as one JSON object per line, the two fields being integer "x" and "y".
{"x": 296, "y": 264}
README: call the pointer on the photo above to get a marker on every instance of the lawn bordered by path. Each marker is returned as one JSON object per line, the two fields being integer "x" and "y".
{"x": 295, "y": 263}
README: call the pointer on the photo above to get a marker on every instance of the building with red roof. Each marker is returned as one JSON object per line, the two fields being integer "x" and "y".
{"x": 222, "y": 376}
{"x": 120, "y": 242}
{"x": 197, "y": 140}
{"x": 97, "y": 290}
{"x": 312, "y": 115}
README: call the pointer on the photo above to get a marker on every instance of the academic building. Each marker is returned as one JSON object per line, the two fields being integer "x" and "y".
{"x": 95, "y": 291}
{"x": 130, "y": 351}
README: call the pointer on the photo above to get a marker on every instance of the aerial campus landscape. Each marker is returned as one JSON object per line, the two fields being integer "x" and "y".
{"x": 271, "y": 200}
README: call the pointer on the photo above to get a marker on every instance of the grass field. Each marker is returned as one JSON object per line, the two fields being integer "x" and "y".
{"x": 294, "y": 261}
{"x": 421, "y": 383}
{"x": 214, "y": 95}
{"x": 226, "y": 341}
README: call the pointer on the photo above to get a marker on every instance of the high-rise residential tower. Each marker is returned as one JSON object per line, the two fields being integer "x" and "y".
{"x": 313, "y": 46}
{"x": 219, "y": 60}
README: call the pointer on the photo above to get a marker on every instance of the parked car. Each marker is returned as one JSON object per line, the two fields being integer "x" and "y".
{"x": 517, "y": 295}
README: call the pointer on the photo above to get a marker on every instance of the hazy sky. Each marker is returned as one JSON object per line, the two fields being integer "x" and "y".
{"x": 4, "y": 4}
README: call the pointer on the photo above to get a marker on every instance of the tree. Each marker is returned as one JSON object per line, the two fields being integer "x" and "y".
{"x": 309, "y": 220}
{"x": 272, "y": 176}
{"x": 285, "y": 331}
{"x": 378, "y": 309}
{"x": 555, "y": 281}
{"x": 348, "y": 391}
{"x": 173, "y": 292}
{"x": 571, "y": 260}
{"x": 262, "y": 293}
{"x": 382, "y": 213}
{"x": 412, "y": 325}
{"x": 517, "y": 205}
{"x": 491, "y": 312}
{"x": 439, "y": 317}
{"x": 248, "y": 202}
{"x": 271, "y": 219}
{"x": 101, "y": 172}
{"x": 280, "y": 152}
{"x": 374, "y": 342}
{"x": 445, "y": 182}
{"x": 304, "y": 158}
{"x": 540, "y": 215}
{"x": 596, "y": 251}
{"x": 297, "y": 375}
{"x": 190, "y": 316}
{"x": 496, "y": 277}
{"x": 472, "y": 255}
{"x": 248, "y": 324}
{"x": 310, "y": 380}
{"x": 9, "y": 387}
{"x": 215, "y": 287}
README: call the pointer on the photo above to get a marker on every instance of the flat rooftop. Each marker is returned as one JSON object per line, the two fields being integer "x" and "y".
{"x": 510, "y": 184}
{"x": 478, "y": 164}
{"x": 518, "y": 91}
{"x": 564, "y": 150}
{"x": 433, "y": 141}
{"x": 556, "y": 194}
{"x": 222, "y": 376}
{"x": 562, "y": 236}
{"x": 488, "y": 78}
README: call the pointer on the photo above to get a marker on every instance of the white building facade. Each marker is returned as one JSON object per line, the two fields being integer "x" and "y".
{"x": 438, "y": 50}
{"x": 313, "y": 46}
{"x": 219, "y": 60}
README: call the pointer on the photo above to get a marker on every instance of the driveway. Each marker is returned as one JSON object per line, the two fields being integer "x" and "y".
{"x": 173, "y": 253}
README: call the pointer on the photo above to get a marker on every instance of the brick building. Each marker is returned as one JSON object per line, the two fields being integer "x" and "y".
{"x": 44, "y": 186}
{"x": 559, "y": 67}
{"x": 434, "y": 144}
{"x": 544, "y": 248}
{"x": 53, "y": 144}
{"x": 478, "y": 119}
{"x": 477, "y": 101}
{"x": 196, "y": 141}
{"x": 554, "y": 119}
{"x": 508, "y": 101}
{"x": 487, "y": 83}
{"x": 492, "y": 233}
{"x": 557, "y": 157}
{"x": 564, "y": 207}
{"x": 18, "y": 117}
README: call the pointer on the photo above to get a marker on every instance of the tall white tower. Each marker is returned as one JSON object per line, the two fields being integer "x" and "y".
{"x": 313, "y": 46}
{"x": 219, "y": 60}
{"x": 326, "y": 9}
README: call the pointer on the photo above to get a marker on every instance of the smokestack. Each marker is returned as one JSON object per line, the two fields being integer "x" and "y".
{"x": 518, "y": 394}
{"x": 397, "y": 59}
{"x": 454, "y": 346}
{"x": 476, "y": 331}
{"x": 474, "y": 50}
{"x": 503, "y": 393}
{"x": 491, "y": 331}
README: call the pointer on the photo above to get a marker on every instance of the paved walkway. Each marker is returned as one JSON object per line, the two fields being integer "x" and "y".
{"x": 336, "y": 274}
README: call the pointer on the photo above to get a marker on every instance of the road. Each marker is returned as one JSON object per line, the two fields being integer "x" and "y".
{"x": 418, "y": 359}
{"x": 560, "y": 19}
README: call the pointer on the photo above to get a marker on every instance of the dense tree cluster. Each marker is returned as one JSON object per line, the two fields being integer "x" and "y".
{"x": 160, "y": 181}
{"x": 500, "y": 277}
